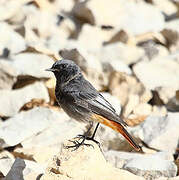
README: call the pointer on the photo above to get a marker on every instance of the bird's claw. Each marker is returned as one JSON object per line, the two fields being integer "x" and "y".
{"x": 77, "y": 144}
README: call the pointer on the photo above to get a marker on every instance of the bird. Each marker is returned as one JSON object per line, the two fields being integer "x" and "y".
{"x": 82, "y": 102}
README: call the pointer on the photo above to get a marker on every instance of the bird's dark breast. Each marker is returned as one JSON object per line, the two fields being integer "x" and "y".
{"x": 72, "y": 109}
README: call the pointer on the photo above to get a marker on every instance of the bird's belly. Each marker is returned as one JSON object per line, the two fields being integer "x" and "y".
{"x": 76, "y": 113}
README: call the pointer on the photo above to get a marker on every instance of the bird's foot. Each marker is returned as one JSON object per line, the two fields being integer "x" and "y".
{"x": 88, "y": 138}
{"x": 77, "y": 144}
{"x": 81, "y": 138}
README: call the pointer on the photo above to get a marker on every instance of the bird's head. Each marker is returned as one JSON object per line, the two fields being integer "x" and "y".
{"x": 64, "y": 70}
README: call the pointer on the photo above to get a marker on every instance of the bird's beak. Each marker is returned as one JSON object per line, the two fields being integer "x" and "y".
{"x": 51, "y": 69}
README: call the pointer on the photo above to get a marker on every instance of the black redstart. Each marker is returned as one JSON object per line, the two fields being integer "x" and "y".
{"x": 81, "y": 101}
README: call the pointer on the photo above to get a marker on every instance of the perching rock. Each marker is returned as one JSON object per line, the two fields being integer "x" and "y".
{"x": 87, "y": 162}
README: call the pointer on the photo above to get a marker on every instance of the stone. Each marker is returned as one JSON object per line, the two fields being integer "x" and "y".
{"x": 120, "y": 159}
{"x": 171, "y": 34}
{"x": 16, "y": 129}
{"x": 13, "y": 8}
{"x": 166, "y": 178}
{"x": 137, "y": 13}
{"x": 156, "y": 132}
{"x": 119, "y": 52}
{"x": 5, "y": 165}
{"x": 112, "y": 140}
{"x": 31, "y": 64}
{"x": 158, "y": 73}
{"x": 142, "y": 109}
{"x": 87, "y": 162}
{"x": 56, "y": 134}
{"x": 173, "y": 103}
{"x": 12, "y": 101}
{"x": 11, "y": 39}
{"x": 87, "y": 34}
{"x": 38, "y": 33}
{"x": 16, "y": 171}
{"x": 20, "y": 169}
{"x": 8, "y": 75}
{"x": 151, "y": 167}
{"x": 165, "y": 6}
{"x": 126, "y": 88}
{"x": 166, "y": 93}
{"x": 41, "y": 154}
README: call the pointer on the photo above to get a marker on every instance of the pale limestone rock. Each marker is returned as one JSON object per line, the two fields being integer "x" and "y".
{"x": 165, "y": 6}
{"x": 156, "y": 131}
{"x": 24, "y": 125}
{"x": 9, "y": 9}
{"x": 31, "y": 64}
{"x": 113, "y": 14}
{"x": 12, "y": 101}
{"x": 84, "y": 163}
{"x": 87, "y": 34}
{"x": 16, "y": 171}
{"x": 8, "y": 75}
{"x": 161, "y": 72}
{"x": 11, "y": 39}
{"x": 120, "y": 52}
{"x": 142, "y": 109}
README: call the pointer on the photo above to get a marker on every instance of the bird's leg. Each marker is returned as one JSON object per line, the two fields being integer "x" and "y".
{"x": 77, "y": 144}
{"x": 92, "y": 137}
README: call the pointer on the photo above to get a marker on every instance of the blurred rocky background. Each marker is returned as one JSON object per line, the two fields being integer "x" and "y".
{"x": 128, "y": 49}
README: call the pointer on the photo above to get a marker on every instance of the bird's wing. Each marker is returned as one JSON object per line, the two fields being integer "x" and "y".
{"x": 88, "y": 97}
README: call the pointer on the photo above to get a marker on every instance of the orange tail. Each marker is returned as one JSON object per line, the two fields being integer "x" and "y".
{"x": 119, "y": 128}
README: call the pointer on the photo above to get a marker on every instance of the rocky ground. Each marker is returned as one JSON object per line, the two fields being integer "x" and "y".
{"x": 128, "y": 49}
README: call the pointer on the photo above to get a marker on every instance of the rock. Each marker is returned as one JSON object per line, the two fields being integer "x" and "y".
{"x": 11, "y": 39}
{"x": 37, "y": 119}
{"x": 120, "y": 159}
{"x": 57, "y": 132}
{"x": 165, "y": 6}
{"x": 119, "y": 52}
{"x": 111, "y": 140}
{"x": 126, "y": 88}
{"x": 152, "y": 49}
{"x": 173, "y": 103}
{"x": 84, "y": 163}
{"x": 37, "y": 29}
{"x": 137, "y": 13}
{"x": 12, "y": 101}
{"x": 155, "y": 131}
{"x": 23, "y": 169}
{"x": 171, "y": 34}
{"x": 164, "y": 178}
{"x": 7, "y": 75}
{"x": 5, "y": 165}
{"x": 16, "y": 171}
{"x": 31, "y": 64}
{"x": 166, "y": 93}
{"x": 151, "y": 167}
{"x": 158, "y": 73}
{"x": 87, "y": 34}
{"x": 142, "y": 109}
{"x": 13, "y": 8}
{"x": 115, "y": 65}
{"x": 41, "y": 154}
